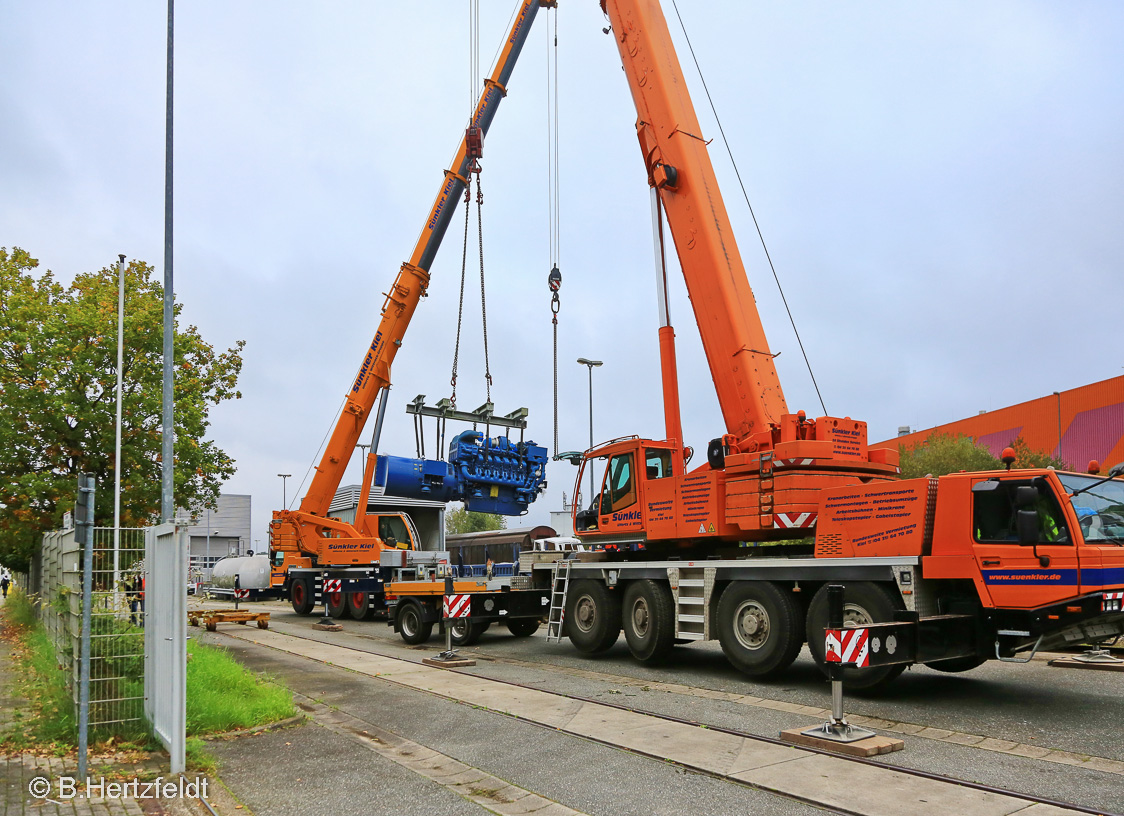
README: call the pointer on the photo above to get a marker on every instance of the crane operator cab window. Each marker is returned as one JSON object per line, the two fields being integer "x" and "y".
{"x": 995, "y": 510}
{"x": 393, "y": 532}
{"x": 621, "y": 484}
{"x": 657, "y": 463}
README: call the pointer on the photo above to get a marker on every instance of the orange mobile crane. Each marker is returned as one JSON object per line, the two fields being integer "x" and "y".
{"x": 349, "y": 566}
{"x": 961, "y": 568}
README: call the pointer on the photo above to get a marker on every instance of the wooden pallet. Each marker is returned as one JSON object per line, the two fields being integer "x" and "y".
{"x": 211, "y": 618}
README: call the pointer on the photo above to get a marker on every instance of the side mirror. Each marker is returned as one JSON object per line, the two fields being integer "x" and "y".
{"x": 1027, "y": 526}
{"x": 1026, "y": 496}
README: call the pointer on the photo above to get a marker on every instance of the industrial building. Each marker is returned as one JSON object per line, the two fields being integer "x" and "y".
{"x": 218, "y": 533}
{"x": 1076, "y": 426}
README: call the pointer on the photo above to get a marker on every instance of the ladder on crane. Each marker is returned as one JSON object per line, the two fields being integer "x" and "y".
{"x": 560, "y": 586}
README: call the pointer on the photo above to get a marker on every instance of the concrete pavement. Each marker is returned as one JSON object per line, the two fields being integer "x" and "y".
{"x": 791, "y": 773}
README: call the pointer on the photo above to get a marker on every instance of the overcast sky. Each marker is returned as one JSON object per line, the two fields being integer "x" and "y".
{"x": 941, "y": 187}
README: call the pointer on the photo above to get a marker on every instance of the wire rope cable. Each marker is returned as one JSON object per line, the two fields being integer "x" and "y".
{"x": 752, "y": 214}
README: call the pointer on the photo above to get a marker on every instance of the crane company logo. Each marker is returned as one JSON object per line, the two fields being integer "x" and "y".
{"x": 365, "y": 369}
{"x": 442, "y": 200}
{"x": 519, "y": 25}
{"x": 632, "y": 515}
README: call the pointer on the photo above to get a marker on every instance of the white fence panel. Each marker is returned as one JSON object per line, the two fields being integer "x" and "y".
{"x": 165, "y": 641}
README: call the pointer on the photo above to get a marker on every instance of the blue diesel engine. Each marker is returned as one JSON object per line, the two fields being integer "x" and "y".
{"x": 489, "y": 475}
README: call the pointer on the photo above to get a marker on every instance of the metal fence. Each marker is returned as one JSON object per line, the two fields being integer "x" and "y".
{"x": 116, "y": 623}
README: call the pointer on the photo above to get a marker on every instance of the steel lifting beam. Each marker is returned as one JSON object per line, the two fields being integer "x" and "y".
{"x": 444, "y": 410}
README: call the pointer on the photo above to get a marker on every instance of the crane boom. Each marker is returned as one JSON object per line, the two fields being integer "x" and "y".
{"x": 765, "y": 475}
{"x": 745, "y": 378}
{"x": 411, "y": 282}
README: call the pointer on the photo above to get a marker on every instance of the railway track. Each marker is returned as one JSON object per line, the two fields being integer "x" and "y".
{"x": 369, "y": 649}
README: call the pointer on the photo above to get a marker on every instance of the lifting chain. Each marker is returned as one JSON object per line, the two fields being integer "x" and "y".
{"x": 483, "y": 299}
{"x": 474, "y": 170}
{"x": 554, "y": 282}
{"x": 460, "y": 302}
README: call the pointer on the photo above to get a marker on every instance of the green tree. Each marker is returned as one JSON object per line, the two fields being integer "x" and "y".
{"x": 460, "y": 520}
{"x": 58, "y": 361}
{"x": 1025, "y": 457}
{"x": 941, "y": 453}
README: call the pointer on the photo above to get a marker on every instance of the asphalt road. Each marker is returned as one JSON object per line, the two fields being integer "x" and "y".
{"x": 1033, "y": 704}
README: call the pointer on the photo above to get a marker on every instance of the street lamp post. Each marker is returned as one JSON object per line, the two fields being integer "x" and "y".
{"x": 590, "y": 364}
{"x": 284, "y": 502}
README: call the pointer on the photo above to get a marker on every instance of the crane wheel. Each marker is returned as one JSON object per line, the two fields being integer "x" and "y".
{"x": 522, "y": 627}
{"x": 863, "y": 602}
{"x": 648, "y": 616}
{"x": 466, "y": 631}
{"x": 300, "y": 595}
{"x": 760, "y": 627}
{"x": 360, "y": 606}
{"x": 593, "y": 616}
{"x": 411, "y": 625}
{"x": 337, "y": 604}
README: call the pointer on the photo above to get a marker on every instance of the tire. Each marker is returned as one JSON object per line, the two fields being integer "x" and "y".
{"x": 410, "y": 624}
{"x": 863, "y": 602}
{"x": 359, "y": 605}
{"x": 522, "y": 627}
{"x": 300, "y": 595}
{"x": 648, "y": 618}
{"x": 263, "y": 624}
{"x": 760, "y": 627}
{"x": 955, "y": 665}
{"x": 593, "y": 616}
{"x": 466, "y": 631}
{"x": 337, "y": 604}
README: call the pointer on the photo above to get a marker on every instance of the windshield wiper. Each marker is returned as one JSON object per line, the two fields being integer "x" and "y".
{"x": 1114, "y": 471}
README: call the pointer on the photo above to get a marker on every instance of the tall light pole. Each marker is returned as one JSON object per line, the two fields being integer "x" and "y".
{"x": 590, "y": 364}
{"x": 284, "y": 501}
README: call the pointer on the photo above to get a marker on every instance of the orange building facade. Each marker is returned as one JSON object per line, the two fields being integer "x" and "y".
{"x": 1076, "y": 426}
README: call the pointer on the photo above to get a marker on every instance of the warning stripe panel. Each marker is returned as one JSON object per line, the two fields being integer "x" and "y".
{"x": 456, "y": 606}
{"x": 849, "y": 647}
{"x": 333, "y": 585}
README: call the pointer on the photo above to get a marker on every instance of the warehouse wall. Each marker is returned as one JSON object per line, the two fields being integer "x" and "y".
{"x": 1091, "y": 420}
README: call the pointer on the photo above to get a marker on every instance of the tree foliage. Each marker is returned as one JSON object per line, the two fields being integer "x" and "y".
{"x": 58, "y": 368}
{"x": 942, "y": 453}
{"x": 460, "y": 520}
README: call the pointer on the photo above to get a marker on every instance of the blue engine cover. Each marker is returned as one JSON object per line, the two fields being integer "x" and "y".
{"x": 488, "y": 475}
{"x": 497, "y": 475}
{"x": 416, "y": 478}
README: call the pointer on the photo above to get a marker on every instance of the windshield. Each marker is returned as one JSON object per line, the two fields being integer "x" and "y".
{"x": 1099, "y": 509}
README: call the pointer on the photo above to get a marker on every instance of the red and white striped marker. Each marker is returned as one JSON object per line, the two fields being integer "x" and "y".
{"x": 241, "y": 594}
{"x": 792, "y": 521}
{"x": 456, "y": 606}
{"x": 333, "y": 585}
{"x": 1112, "y": 602}
{"x": 847, "y": 646}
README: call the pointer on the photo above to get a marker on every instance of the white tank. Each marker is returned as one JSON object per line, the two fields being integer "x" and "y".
{"x": 252, "y": 571}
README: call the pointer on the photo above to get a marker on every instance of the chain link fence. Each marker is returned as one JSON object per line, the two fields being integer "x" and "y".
{"x": 116, "y": 623}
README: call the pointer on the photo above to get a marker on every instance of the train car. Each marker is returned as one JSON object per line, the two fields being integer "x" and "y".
{"x": 469, "y": 553}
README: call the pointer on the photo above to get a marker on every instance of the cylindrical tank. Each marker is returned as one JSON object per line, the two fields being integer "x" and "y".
{"x": 252, "y": 572}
